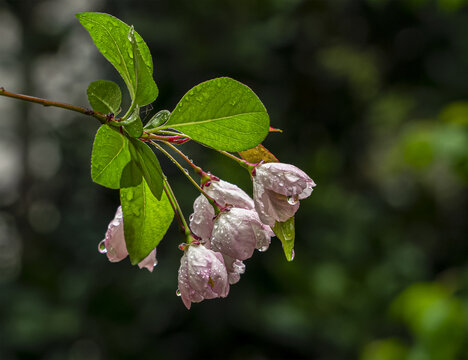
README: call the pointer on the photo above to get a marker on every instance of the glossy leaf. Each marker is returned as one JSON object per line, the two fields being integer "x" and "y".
{"x": 104, "y": 96}
{"x": 110, "y": 35}
{"x": 158, "y": 119}
{"x": 133, "y": 125}
{"x": 285, "y": 231}
{"x": 146, "y": 90}
{"x": 222, "y": 113}
{"x": 257, "y": 154}
{"x": 146, "y": 220}
{"x": 111, "y": 163}
{"x": 149, "y": 166}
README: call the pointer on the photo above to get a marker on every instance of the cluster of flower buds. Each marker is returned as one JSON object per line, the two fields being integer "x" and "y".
{"x": 224, "y": 236}
{"x": 242, "y": 225}
{"x": 227, "y": 224}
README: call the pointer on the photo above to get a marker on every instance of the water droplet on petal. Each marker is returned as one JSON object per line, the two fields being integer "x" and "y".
{"x": 292, "y": 200}
{"x": 102, "y": 247}
{"x": 178, "y": 292}
{"x": 155, "y": 262}
{"x": 191, "y": 217}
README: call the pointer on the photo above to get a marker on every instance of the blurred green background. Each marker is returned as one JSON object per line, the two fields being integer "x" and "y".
{"x": 373, "y": 99}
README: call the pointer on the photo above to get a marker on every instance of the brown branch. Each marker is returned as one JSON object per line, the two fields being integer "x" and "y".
{"x": 97, "y": 115}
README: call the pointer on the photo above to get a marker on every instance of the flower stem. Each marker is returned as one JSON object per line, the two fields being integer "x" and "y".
{"x": 209, "y": 198}
{"x": 176, "y": 207}
{"x": 195, "y": 168}
{"x": 103, "y": 118}
{"x": 245, "y": 164}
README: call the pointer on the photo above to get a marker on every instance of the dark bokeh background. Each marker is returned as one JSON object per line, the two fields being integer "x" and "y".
{"x": 373, "y": 99}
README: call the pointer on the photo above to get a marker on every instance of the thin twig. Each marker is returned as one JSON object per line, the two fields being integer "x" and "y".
{"x": 103, "y": 118}
{"x": 185, "y": 172}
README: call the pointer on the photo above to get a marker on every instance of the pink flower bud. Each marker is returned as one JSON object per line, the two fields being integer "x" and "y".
{"x": 238, "y": 232}
{"x": 277, "y": 189}
{"x": 115, "y": 240}
{"x": 115, "y": 247}
{"x": 202, "y": 275}
{"x": 224, "y": 193}
{"x": 201, "y": 221}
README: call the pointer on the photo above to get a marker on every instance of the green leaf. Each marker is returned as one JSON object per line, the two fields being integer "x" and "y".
{"x": 104, "y": 96}
{"x": 158, "y": 119}
{"x": 149, "y": 166}
{"x": 257, "y": 154}
{"x": 146, "y": 90}
{"x": 146, "y": 220}
{"x": 135, "y": 128}
{"x": 110, "y": 35}
{"x": 133, "y": 125}
{"x": 111, "y": 162}
{"x": 222, "y": 113}
{"x": 286, "y": 232}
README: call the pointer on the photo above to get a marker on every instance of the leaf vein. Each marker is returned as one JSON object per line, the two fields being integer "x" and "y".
{"x": 208, "y": 120}
{"x": 118, "y": 49}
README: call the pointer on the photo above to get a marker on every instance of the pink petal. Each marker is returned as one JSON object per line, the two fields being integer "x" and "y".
{"x": 235, "y": 269}
{"x": 236, "y": 233}
{"x": 284, "y": 179}
{"x": 225, "y": 193}
{"x": 202, "y": 275}
{"x": 114, "y": 238}
{"x": 201, "y": 221}
{"x": 149, "y": 262}
{"x": 183, "y": 283}
{"x": 271, "y": 206}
